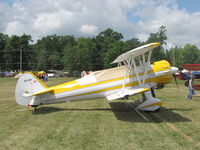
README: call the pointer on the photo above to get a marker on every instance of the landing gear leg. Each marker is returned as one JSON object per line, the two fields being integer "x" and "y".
{"x": 126, "y": 97}
{"x": 152, "y": 92}
{"x": 35, "y": 108}
{"x": 157, "y": 110}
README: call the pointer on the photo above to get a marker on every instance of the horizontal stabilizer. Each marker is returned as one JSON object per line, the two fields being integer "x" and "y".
{"x": 44, "y": 91}
{"x": 126, "y": 92}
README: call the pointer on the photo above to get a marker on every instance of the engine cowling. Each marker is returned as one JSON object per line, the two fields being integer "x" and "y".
{"x": 163, "y": 72}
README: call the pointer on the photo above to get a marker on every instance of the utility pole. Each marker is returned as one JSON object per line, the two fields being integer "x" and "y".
{"x": 20, "y": 60}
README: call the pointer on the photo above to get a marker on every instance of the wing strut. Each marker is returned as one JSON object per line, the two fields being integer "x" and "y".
{"x": 131, "y": 68}
{"x": 128, "y": 70}
{"x": 136, "y": 71}
{"x": 134, "y": 57}
{"x": 146, "y": 65}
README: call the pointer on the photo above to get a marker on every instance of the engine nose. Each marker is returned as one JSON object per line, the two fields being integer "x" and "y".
{"x": 174, "y": 70}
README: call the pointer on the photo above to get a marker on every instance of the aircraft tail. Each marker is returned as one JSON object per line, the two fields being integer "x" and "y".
{"x": 27, "y": 85}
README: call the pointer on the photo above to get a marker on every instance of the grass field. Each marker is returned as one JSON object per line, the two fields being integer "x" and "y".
{"x": 99, "y": 124}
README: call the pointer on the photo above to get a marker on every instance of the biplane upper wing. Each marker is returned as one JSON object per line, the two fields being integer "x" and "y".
{"x": 126, "y": 92}
{"x": 136, "y": 52}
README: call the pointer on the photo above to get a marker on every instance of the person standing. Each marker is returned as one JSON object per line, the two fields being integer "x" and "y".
{"x": 190, "y": 89}
{"x": 46, "y": 77}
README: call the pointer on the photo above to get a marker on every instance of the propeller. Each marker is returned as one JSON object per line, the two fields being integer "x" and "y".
{"x": 173, "y": 69}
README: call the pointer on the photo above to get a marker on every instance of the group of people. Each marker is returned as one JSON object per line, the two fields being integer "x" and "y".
{"x": 43, "y": 77}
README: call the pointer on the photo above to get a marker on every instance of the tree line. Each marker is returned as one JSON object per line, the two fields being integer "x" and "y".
{"x": 84, "y": 53}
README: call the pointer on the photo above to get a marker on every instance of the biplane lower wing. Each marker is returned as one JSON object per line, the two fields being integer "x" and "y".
{"x": 126, "y": 92}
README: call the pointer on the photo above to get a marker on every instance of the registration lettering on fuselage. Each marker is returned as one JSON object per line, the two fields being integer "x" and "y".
{"x": 27, "y": 80}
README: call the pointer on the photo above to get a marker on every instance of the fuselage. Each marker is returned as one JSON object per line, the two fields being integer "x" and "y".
{"x": 106, "y": 82}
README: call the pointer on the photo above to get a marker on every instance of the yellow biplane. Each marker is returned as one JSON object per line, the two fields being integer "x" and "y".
{"x": 133, "y": 75}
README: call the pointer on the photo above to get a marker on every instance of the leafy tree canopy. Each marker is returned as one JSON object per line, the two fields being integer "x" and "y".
{"x": 78, "y": 54}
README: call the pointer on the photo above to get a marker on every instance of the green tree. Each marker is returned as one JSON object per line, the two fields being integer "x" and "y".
{"x": 70, "y": 57}
{"x": 175, "y": 55}
{"x": 12, "y": 54}
{"x": 190, "y": 54}
{"x": 3, "y": 39}
{"x": 160, "y": 36}
{"x": 14, "y": 45}
{"x": 28, "y": 54}
{"x": 80, "y": 56}
{"x": 103, "y": 40}
{"x": 133, "y": 43}
{"x": 42, "y": 59}
{"x": 115, "y": 49}
{"x": 106, "y": 37}
{"x": 52, "y": 47}
{"x": 85, "y": 48}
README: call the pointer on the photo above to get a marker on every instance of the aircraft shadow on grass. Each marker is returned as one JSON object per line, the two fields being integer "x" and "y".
{"x": 124, "y": 112}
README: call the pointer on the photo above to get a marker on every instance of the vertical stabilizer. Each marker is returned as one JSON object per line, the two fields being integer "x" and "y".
{"x": 27, "y": 84}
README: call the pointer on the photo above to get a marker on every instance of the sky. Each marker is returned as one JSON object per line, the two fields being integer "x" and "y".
{"x": 132, "y": 18}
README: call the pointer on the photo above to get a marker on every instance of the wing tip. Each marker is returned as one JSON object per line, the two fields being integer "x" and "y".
{"x": 156, "y": 44}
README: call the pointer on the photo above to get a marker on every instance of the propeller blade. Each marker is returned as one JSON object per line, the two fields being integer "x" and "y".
{"x": 175, "y": 79}
{"x": 174, "y": 69}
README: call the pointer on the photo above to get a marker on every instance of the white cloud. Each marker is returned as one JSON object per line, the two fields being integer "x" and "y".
{"x": 66, "y": 17}
{"x": 89, "y": 17}
{"x": 182, "y": 27}
{"x": 88, "y": 29}
{"x": 50, "y": 22}
{"x": 14, "y": 27}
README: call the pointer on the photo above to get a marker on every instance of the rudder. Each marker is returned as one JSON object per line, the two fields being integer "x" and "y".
{"x": 27, "y": 85}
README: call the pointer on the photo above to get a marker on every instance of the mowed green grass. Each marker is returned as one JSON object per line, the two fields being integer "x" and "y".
{"x": 99, "y": 124}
